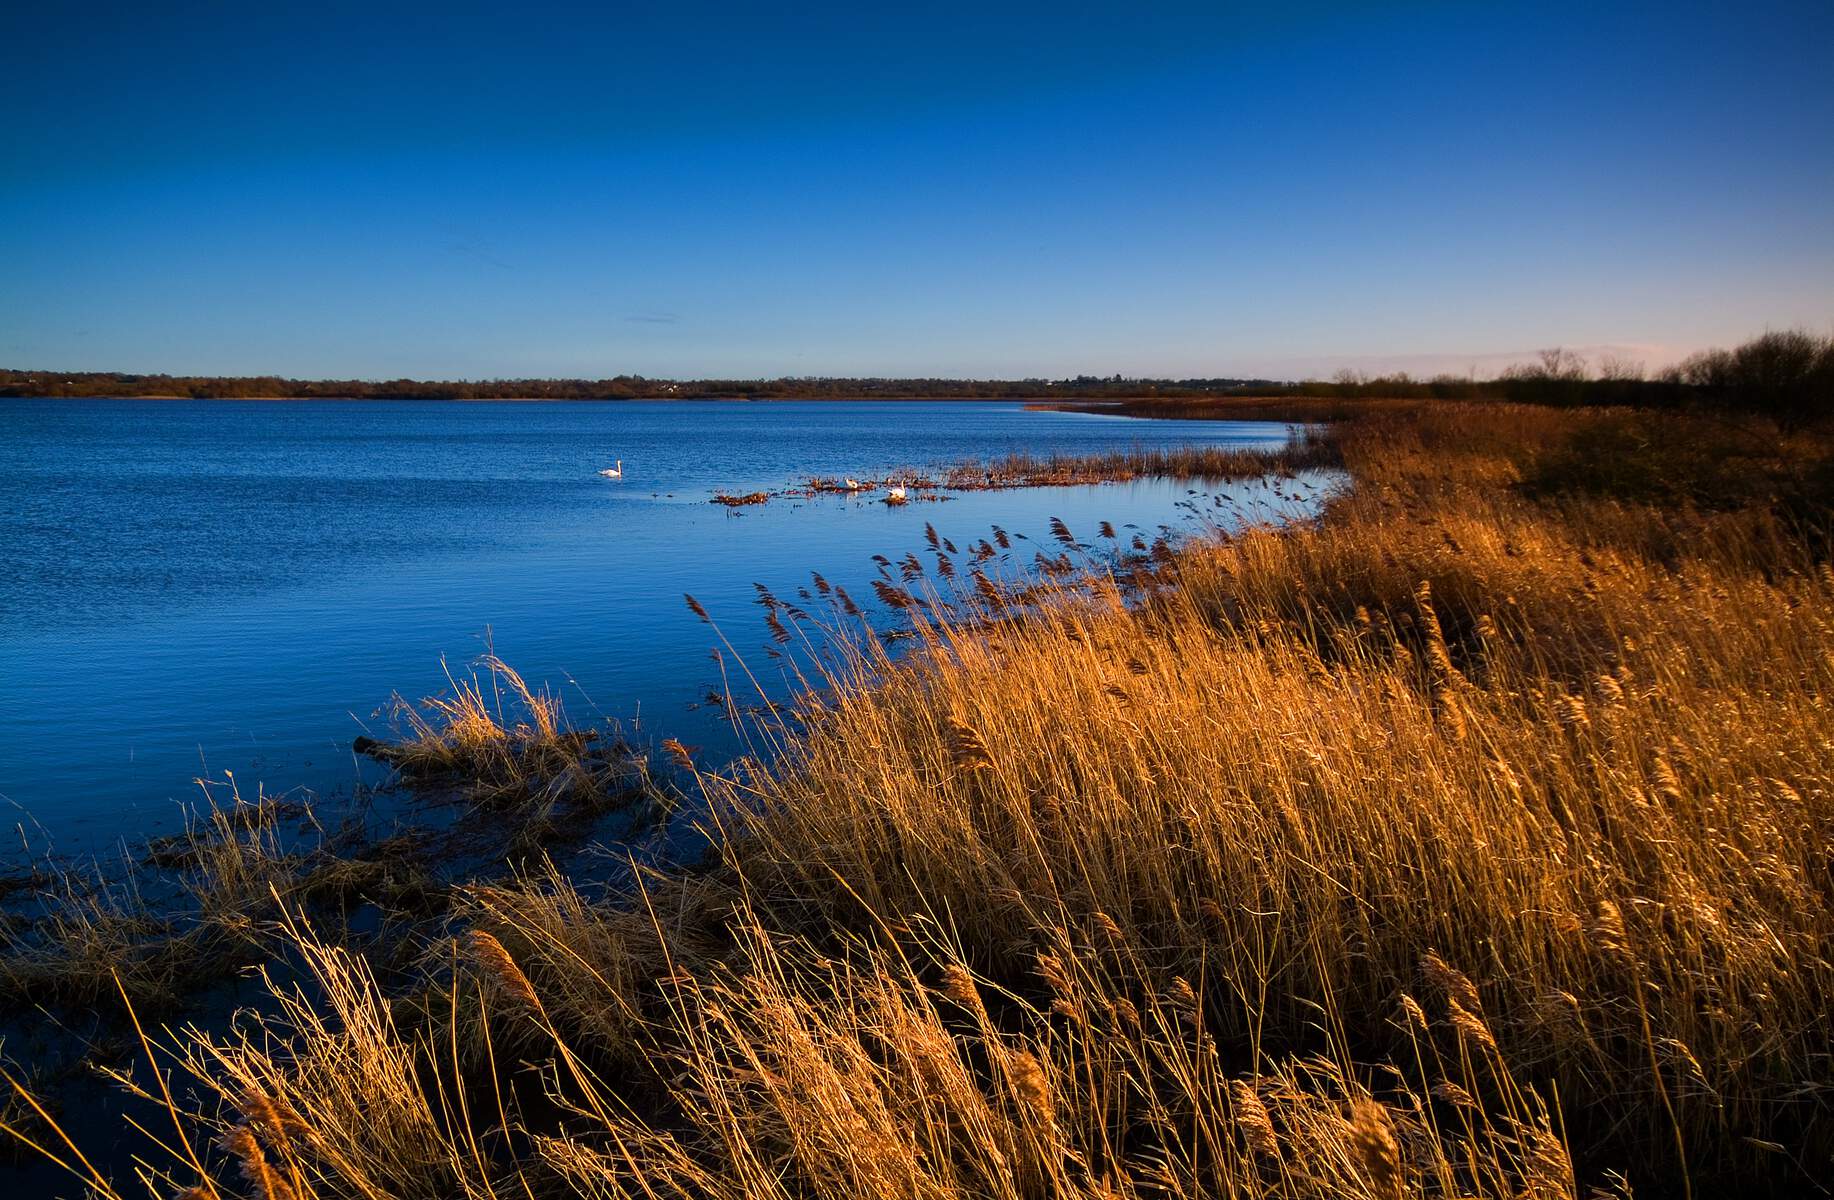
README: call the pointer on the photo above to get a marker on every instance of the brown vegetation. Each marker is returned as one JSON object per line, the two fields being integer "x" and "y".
{"x": 1305, "y": 449}
{"x": 1470, "y": 842}
{"x": 521, "y": 753}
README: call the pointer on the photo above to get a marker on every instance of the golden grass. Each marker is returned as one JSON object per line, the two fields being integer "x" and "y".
{"x": 1469, "y": 842}
{"x": 501, "y": 742}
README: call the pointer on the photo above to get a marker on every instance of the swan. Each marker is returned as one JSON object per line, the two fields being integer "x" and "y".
{"x": 894, "y": 493}
{"x": 853, "y": 485}
{"x": 616, "y": 472}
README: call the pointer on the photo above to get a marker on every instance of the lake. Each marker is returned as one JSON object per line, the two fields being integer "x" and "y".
{"x": 189, "y": 589}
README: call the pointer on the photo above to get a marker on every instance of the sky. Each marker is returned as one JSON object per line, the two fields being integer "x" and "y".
{"x": 1009, "y": 190}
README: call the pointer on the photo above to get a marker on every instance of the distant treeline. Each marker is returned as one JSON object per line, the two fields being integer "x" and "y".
{"x": 622, "y": 387}
{"x": 1788, "y": 375}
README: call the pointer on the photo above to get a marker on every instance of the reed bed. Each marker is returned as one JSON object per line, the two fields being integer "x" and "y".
{"x": 1307, "y": 450}
{"x": 1471, "y": 841}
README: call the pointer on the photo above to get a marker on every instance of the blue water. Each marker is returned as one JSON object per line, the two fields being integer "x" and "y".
{"x": 189, "y": 589}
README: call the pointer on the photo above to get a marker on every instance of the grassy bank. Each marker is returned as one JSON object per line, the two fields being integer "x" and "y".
{"x": 1472, "y": 841}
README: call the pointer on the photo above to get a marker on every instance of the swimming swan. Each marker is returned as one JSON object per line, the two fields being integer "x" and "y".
{"x": 616, "y": 472}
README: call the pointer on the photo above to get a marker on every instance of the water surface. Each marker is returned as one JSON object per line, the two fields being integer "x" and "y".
{"x": 194, "y": 588}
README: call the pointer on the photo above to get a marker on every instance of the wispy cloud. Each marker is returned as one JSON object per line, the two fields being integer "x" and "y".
{"x": 478, "y": 248}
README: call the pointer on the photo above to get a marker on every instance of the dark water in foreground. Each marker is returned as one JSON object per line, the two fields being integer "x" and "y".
{"x": 190, "y": 589}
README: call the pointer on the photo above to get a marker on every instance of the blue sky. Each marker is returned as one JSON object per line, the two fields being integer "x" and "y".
{"x": 1008, "y": 190}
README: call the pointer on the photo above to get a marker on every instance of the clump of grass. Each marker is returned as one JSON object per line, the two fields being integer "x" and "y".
{"x": 394, "y": 873}
{"x": 740, "y": 501}
{"x": 157, "y": 928}
{"x": 82, "y": 940}
{"x": 827, "y": 485}
{"x": 500, "y": 742}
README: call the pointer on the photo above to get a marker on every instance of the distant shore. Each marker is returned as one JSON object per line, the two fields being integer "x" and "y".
{"x": 1781, "y": 374}
{"x": 120, "y": 384}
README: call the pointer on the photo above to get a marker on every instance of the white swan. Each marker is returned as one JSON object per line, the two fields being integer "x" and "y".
{"x": 853, "y": 485}
{"x": 894, "y": 493}
{"x": 616, "y": 472}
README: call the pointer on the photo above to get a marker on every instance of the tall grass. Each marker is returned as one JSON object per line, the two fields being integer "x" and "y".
{"x": 1470, "y": 841}
{"x": 501, "y": 742}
